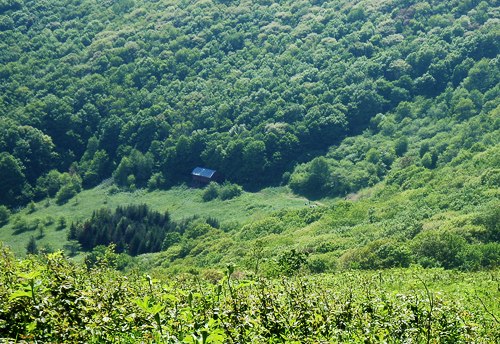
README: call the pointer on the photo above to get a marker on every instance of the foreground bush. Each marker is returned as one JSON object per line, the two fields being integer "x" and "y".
{"x": 50, "y": 299}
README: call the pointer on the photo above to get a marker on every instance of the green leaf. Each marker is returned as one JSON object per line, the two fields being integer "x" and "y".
{"x": 30, "y": 275}
{"x": 216, "y": 336}
{"x": 20, "y": 293}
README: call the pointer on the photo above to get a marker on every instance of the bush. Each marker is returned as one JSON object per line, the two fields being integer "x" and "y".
{"x": 65, "y": 194}
{"x": 317, "y": 265}
{"x": 481, "y": 256}
{"x": 213, "y": 222}
{"x": 291, "y": 261}
{"x": 49, "y": 184}
{"x": 31, "y": 208}
{"x": 157, "y": 181}
{"x": 211, "y": 192}
{"x": 229, "y": 191}
{"x": 443, "y": 249}
{"x": 171, "y": 239}
{"x": 113, "y": 190}
{"x": 61, "y": 223}
{"x": 21, "y": 225}
{"x": 381, "y": 254}
{"x": 72, "y": 186}
{"x": 266, "y": 226}
{"x": 197, "y": 229}
{"x": 401, "y": 146}
{"x": 49, "y": 220}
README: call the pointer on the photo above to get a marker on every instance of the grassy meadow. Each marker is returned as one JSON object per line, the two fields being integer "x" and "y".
{"x": 181, "y": 202}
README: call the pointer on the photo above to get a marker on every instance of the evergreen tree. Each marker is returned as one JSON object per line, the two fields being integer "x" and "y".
{"x": 32, "y": 246}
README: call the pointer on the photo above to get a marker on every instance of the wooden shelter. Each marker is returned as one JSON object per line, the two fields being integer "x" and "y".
{"x": 203, "y": 175}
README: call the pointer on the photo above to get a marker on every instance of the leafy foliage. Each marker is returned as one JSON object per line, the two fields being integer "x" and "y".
{"x": 224, "y": 192}
{"x": 51, "y": 299}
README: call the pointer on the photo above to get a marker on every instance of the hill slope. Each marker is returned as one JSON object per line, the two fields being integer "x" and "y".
{"x": 148, "y": 90}
{"x": 392, "y": 106}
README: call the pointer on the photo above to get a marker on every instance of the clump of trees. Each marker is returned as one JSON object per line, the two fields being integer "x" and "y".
{"x": 134, "y": 229}
{"x": 137, "y": 229}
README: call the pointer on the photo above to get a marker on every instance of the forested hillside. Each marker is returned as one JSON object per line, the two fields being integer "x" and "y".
{"x": 146, "y": 90}
{"x": 351, "y": 135}
{"x": 386, "y": 111}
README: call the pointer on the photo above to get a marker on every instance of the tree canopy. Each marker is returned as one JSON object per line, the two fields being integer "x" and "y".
{"x": 135, "y": 89}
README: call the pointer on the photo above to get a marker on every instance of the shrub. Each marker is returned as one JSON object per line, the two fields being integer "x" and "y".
{"x": 291, "y": 261}
{"x": 381, "y": 254}
{"x": 61, "y": 223}
{"x": 211, "y": 192}
{"x": 49, "y": 184}
{"x": 445, "y": 249}
{"x": 31, "y": 208}
{"x": 229, "y": 191}
{"x": 317, "y": 265}
{"x": 401, "y": 146}
{"x": 213, "y": 222}
{"x": 21, "y": 225}
{"x": 113, "y": 190}
{"x": 197, "y": 229}
{"x": 157, "y": 181}
{"x": 269, "y": 225}
{"x": 49, "y": 220}
{"x": 171, "y": 239}
{"x": 490, "y": 219}
{"x": 65, "y": 194}
{"x": 72, "y": 186}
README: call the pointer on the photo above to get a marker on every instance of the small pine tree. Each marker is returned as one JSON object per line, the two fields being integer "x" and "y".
{"x": 73, "y": 232}
{"x": 41, "y": 230}
{"x": 61, "y": 223}
{"x": 32, "y": 247}
{"x": 4, "y": 215}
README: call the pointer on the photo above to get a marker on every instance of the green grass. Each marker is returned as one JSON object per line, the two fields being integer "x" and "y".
{"x": 180, "y": 201}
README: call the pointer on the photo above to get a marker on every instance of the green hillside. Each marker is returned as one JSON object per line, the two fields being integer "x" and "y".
{"x": 358, "y": 144}
{"x": 147, "y": 90}
{"x": 180, "y": 202}
{"x": 382, "y": 118}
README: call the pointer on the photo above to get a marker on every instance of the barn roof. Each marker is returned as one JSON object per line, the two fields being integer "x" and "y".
{"x": 203, "y": 172}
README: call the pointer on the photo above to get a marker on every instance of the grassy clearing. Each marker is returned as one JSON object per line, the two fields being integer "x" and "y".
{"x": 180, "y": 201}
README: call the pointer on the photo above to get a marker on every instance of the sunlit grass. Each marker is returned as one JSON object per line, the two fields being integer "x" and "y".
{"x": 180, "y": 201}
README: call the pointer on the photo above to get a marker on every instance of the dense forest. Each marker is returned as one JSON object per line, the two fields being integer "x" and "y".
{"x": 146, "y": 90}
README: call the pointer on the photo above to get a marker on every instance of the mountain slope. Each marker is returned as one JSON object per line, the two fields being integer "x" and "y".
{"x": 392, "y": 106}
{"x": 149, "y": 90}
